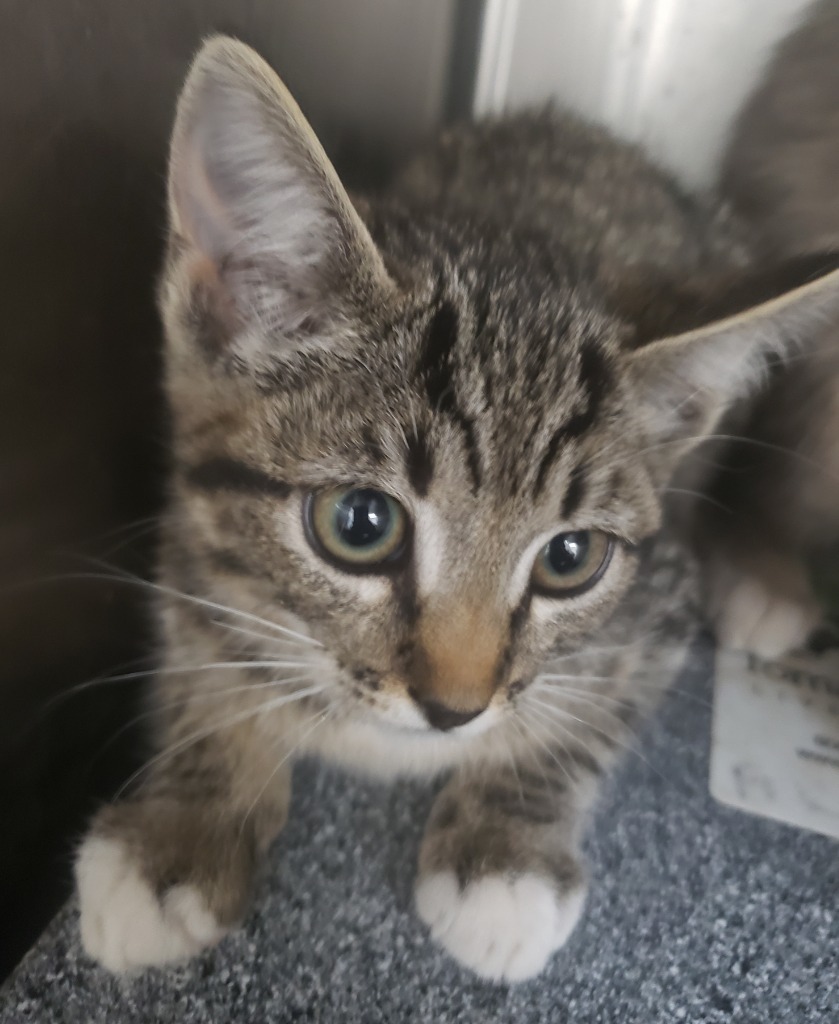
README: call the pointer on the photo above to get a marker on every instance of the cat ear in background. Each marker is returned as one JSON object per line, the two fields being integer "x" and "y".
{"x": 271, "y": 239}
{"x": 688, "y": 381}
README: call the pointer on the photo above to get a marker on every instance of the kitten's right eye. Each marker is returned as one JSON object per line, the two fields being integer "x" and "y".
{"x": 359, "y": 528}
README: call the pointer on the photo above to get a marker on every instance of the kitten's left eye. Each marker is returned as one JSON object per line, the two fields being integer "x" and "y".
{"x": 570, "y": 563}
{"x": 358, "y": 527}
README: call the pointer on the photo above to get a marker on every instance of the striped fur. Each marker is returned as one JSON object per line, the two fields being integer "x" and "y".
{"x": 467, "y": 342}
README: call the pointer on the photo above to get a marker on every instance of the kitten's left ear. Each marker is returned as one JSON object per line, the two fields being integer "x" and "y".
{"x": 270, "y": 236}
{"x": 688, "y": 381}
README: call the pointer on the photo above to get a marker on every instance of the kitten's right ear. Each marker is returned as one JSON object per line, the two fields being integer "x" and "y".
{"x": 270, "y": 239}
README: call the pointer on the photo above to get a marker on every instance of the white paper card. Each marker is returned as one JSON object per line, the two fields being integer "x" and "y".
{"x": 775, "y": 739}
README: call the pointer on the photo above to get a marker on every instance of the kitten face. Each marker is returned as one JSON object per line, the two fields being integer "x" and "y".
{"x": 494, "y": 426}
{"x": 431, "y": 449}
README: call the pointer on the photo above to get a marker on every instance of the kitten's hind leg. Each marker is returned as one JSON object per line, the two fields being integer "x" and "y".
{"x": 500, "y": 884}
{"x": 168, "y": 872}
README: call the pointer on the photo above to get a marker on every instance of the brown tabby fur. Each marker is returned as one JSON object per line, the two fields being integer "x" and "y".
{"x": 781, "y": 173}
{"x": 479, "y": 342}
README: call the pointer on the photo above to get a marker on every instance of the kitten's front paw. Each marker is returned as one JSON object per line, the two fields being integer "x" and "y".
{"x": 159, "y": 880}
{"x": 124, "y": 924}
{"x": 503, "y": 928}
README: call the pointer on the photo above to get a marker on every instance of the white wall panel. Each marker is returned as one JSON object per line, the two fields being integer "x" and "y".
{"x": 667, "y": 73}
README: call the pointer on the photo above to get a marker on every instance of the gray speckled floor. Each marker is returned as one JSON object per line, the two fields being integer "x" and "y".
{"x": 697, "y": 913}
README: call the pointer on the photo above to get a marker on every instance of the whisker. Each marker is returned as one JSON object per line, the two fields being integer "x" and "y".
{"x": 216, "y": 727}
{"x": 577, "y": 678}
{"x": 740, "y": 439}
{"x": 664, "y": 689}
{"x": 557, "y": 712}
{"x": 531, "y": 730}
{"x": 697, "y": 494}
{"x": 553, "y": 720}
{"x": 633, "y": 681}
{"x": 319, "y": 719}
{"x": 624, "y": 741}
{"x": 57, "y": 699}
{"x": 525, "y": 737}
{"x": 511, "y": 754}
{"x": 196, "y": 698}
{"x": 588, "y": 694}
{"x": 256, "y": 635}
{"x": 115, "y": 533}
{"x": 228, "y": 691}
{"x": 173, "y": 670}
{"x": 567, "y": 714}
{"x": 204, "y": 602}
{"x": 300, "y": 638}
{"x": 141, "y": 529}
{"x": 588, "y": 652}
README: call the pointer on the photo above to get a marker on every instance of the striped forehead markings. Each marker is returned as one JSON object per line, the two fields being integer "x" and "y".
{"x": 436, "y": 367}
{"x": 419, "y": 462}
{"x": 575, "y": 492}
{"x": 594, "y": 378}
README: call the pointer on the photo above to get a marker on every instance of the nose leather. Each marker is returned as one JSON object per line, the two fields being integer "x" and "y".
{"x": 442, "y": 717}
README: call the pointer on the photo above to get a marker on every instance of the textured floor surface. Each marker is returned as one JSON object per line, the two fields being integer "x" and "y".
{"x": 696, "y": 914}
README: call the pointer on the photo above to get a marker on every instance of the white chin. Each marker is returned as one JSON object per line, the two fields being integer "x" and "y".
{"x": 408, "y": 718}
{"x": 479, "y": 725}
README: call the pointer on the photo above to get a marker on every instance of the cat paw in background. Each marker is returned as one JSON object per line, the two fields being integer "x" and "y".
{"x": 765, "y": 604}
{"x": 779, "y": 177}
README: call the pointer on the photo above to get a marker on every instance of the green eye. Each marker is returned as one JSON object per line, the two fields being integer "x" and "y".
{"x": 570, "y": 563}
{"x": 358, "y": 527}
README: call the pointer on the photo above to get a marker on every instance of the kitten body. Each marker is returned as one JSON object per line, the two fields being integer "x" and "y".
{"x": 780, "y": 489}
{"x": 483, "y": 345}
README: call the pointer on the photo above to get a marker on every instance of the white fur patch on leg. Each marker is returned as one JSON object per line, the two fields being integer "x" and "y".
{"x": 124, "y": 925}
{"x": 504, "y": 929}
{"x": 754, "y": 617}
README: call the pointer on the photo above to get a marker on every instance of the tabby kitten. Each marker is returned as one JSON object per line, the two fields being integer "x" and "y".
{"x": 781, "y": 174}
{"x": 416, "y": 522}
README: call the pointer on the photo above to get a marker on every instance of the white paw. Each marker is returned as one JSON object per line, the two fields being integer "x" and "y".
{"x": 123, "y": 924}
{"x": 502, "y": 928}
{"x": 754, "y": 617}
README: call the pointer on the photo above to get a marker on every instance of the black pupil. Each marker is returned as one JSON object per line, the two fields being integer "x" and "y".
{"x": 567, "y": 552}
{"x": 362, "y": 518}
